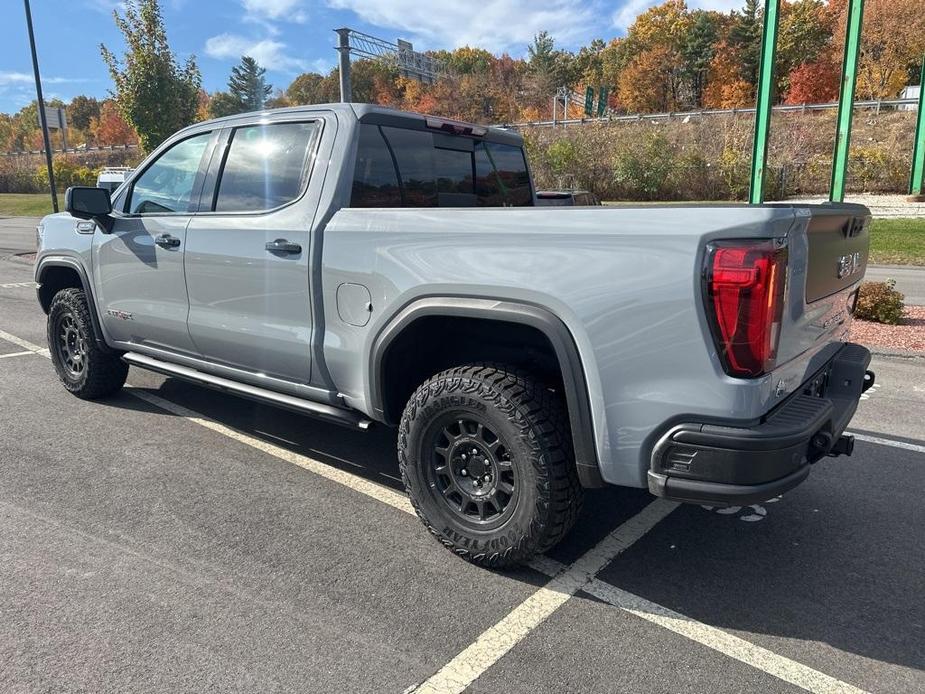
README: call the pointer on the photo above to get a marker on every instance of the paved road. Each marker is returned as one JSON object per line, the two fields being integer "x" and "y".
{"x": 17, "y": 234}
{"x": 174, "y": 539}
{"x": 910, "y": 280}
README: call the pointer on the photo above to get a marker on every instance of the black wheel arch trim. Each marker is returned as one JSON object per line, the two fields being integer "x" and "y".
{"x": 62, "y": 261}
{"x": 558, "y": 334}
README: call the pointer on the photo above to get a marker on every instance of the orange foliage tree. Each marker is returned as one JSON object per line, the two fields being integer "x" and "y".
{"x": 110, "y": 128}
{"x": 814, "y": 83}
{"x": 725, "y": 87}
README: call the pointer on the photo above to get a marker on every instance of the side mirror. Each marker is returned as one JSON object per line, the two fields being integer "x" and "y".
{"x": 85, "y": 202}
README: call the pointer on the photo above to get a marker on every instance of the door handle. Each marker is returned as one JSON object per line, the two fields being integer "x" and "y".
{"x": 283, "y": 246}
{"x": 167, "y": 241}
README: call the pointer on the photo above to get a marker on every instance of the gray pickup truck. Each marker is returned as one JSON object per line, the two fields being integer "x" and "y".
{"x": 342, "y": 261}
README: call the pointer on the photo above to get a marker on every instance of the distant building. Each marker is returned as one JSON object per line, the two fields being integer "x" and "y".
{"x": 910, "y": 92}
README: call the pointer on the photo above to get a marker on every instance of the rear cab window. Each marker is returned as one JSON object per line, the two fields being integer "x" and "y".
{"x": 404, "y": 167}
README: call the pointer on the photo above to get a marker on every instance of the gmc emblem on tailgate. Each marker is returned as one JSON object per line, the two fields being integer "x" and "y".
{"x": 848, "y": 265}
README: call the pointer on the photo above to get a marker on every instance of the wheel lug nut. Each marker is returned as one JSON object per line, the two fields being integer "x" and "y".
{"x": 464, "y": 472}
{"x": 474, "y": 451}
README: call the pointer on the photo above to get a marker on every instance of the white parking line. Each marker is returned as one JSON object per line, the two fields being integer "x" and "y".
{"x": 757, "y": 657}
{"x": 890, "y": 442}
{"x": 24, "y": 344}
{"x": 16, "y": 354}
{"x": 499, "y": 639}
{"x": 496, "y": 641}
{"x": 744, "y": 651}
{"x": 359, "y": 484}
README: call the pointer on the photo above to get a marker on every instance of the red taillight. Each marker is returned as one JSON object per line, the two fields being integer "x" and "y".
{"x": 745, "y": 298}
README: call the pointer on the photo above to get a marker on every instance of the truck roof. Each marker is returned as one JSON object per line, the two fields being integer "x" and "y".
{"x": 382, "y": 115}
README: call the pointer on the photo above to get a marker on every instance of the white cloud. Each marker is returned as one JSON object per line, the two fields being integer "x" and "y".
{"x": 275, "y": 10}
{"x": 269, "y": 53}
{"x": 497, "y": 25}
{"x": 9, "y": 78}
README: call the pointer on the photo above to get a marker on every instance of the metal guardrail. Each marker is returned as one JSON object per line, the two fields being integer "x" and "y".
{"x": 70, "y": 150}
{"x": 786, "y": 108}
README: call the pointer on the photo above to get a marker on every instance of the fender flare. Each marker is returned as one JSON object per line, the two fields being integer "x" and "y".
{"x": 563, "y": 344}
{"x": 62, "y": 261}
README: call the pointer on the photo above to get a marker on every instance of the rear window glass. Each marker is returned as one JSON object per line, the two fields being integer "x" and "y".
{"x": 266, "y": 166}
{"x": 375, "y": 180}
{"x": 429, "y": 174}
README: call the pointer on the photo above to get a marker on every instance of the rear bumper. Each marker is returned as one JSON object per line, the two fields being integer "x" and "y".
{"x": 722, "y": 464}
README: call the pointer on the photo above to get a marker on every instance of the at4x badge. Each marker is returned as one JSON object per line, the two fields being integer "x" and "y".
{"x": 122, "y": 315}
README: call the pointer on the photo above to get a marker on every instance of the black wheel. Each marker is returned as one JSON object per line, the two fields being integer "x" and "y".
{"x": 83, "y": 367}
{"x": 485, "y": 455}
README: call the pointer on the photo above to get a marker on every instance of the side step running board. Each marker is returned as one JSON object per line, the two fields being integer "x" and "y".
{"x": 330, "y": 413}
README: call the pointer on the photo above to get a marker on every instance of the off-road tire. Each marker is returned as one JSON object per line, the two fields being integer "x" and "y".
{"x": 530, "y": 421}
{"x": 101, "y": 373}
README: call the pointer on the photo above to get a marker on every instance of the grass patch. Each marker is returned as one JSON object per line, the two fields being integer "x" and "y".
{"x": 897, "y": 242}
{"x": 26, "y": 204}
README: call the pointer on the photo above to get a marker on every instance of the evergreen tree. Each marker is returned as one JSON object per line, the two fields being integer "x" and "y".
{"x": 745, "y": 38}
{"x": 697, "y": 52}
{"x": 248, "y": 84}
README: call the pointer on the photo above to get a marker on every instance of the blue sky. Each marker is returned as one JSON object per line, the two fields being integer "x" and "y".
{"x": 286, "y": 36}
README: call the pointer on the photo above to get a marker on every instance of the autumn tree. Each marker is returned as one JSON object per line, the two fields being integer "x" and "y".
{"x": 814, "y": 83}
{"x": 110, "y": 128}
{"x": 81, "y": 111}
{"x": 725, "y": 86}
{"x": 653, "y": 78}
{"x": 154, "y": 93}
{"x": 892, "y": 44}
{"x": 306, "y": 89}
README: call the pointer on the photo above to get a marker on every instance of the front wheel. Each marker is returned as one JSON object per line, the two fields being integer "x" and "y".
{"x": 83, "y": 367}
{"x": 485, "y": 455}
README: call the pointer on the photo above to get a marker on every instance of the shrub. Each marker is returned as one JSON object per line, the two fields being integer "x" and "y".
{"x": 880, "y": 302}
{"x": 643, "y": 168}
{"x": 67, "y": 174}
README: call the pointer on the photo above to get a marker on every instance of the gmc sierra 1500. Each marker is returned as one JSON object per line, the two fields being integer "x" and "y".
{"x": 334, "y": 260}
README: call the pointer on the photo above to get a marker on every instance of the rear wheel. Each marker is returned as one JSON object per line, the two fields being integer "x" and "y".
{"x": 485, "y": 455}
{"x": 83, "y": 367}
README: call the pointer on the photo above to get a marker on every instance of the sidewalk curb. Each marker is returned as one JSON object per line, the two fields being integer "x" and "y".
{"x": 895, "y": 353}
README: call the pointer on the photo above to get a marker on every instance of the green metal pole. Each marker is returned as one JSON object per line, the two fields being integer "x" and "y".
{"x": 918, "y": 148}
{"x": 849, "y": 78}
{"x": 763, "y": 105}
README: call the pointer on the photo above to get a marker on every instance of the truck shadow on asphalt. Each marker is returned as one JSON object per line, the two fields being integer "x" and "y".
{"x": 826, "y": 564}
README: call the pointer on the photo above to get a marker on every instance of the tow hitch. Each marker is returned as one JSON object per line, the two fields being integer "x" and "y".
{"x": 844, "y": 446}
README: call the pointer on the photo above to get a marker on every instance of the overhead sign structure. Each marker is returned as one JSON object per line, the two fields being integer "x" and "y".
{"x": 401, "y": 54}
{"x": 589, "y": 101}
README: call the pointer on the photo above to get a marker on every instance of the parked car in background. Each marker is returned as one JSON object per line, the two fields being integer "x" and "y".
{"x": 566, "y": 198}
{"x": 365, "y": 265}
{"x": 112, "y": 177}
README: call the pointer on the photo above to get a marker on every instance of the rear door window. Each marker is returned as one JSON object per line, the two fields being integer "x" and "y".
{"x": 375, "y": 178}
{"x": 399, "y": 167}
{"x": 266, "y": 166}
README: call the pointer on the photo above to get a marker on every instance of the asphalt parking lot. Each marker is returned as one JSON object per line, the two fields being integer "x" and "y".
{"x": 174, "y": 539}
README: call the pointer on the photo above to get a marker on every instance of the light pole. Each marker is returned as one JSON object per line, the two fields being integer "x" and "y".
{"x": 41, "y": 105}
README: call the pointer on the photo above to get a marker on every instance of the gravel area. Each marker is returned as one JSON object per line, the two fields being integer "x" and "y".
{"x": 883, "y": 206}
{"x": 908, "y": 335}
